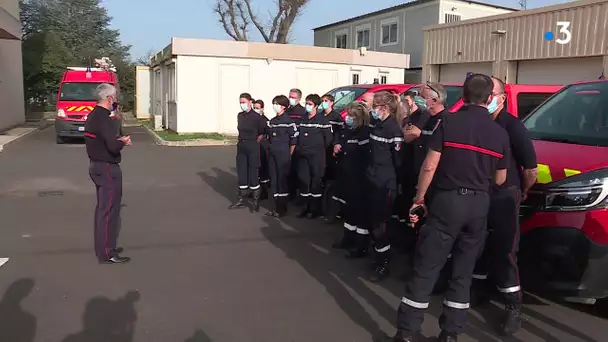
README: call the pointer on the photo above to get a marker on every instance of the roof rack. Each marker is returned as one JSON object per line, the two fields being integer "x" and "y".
{"x": 90, "y": 69}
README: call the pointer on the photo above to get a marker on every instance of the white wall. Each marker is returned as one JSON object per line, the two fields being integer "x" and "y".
{"x": 142, "y": 93}
{"x": 208, "y": 88}
{"x": 11, "y": 84}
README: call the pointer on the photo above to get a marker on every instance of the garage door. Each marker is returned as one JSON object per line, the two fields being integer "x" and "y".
{"x": 456, "y": 73}
{"x": 559, "y": 71}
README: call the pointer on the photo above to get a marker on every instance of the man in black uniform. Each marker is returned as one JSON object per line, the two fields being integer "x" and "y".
{"x": 251, "y": 129}
{"x": 103, "y": 148}
{"x": 258, "y": 107}
{"x": 314, "y": 137}
{"x": 503, "y": 219}
{"x": 466, "y": 153}
{"x": 330, "y": 200}
{"x": 297, "y": 113}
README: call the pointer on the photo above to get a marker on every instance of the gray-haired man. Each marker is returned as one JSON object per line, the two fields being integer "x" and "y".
{"x": 104, "y": 149}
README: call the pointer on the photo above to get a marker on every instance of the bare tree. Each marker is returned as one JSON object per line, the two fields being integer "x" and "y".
{"x": 145, "y": 59}
{"x": 237, "y": 15}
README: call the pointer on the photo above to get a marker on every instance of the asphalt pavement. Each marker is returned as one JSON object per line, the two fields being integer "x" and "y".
{"x": 199, "y": 273}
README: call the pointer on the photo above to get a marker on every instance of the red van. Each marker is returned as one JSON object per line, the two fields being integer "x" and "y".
{"x": 521, "y": 98}
{"x": 564, "y": 220}
{"x": 75, "y": 99}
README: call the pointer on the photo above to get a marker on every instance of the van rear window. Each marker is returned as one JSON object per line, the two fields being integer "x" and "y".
{"x": 527, "y": 102}
{"x": 578, "y": 115}
{"x": 77, "y": 91}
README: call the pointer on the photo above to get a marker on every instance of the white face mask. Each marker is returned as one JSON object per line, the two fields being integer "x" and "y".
{"x": 277, "y": 108}
{"x": 244, "y": 107}
{"x": 292, "y": 102}
{"x": 259, "y": 111}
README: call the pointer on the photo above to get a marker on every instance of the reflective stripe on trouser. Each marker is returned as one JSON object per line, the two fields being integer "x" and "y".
{"x": 310, "y": 173}
{"x": 381, "y": 206}
{"x": 247, "y": 164}
{"x": 456, "y": 223}
{"x": 501, "y": 248}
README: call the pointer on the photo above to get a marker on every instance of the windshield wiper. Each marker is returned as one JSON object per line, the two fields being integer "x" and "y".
{"x": 559, "y": 140}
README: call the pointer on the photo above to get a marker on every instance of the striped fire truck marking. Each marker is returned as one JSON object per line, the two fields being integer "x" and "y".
{"x": 79, "y": 109}
{"x": 544, "y": 173}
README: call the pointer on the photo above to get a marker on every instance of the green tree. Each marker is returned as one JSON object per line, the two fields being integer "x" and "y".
{"x": 62, "y": 33}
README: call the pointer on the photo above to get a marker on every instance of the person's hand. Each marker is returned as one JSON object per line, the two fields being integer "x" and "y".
{"x": 337, "y": 148}
{"x": 126, "y": 140}
{"x": 414, "y": 218}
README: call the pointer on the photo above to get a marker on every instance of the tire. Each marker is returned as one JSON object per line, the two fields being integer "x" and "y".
{"x": 59, "y": 140}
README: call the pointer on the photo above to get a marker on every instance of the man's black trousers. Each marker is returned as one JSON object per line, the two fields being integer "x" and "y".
{"x": 247, "y": 164}
{"x": 108, "y": 183}
{"x": 311, "y": 167}
{"x": 456, "y": 223}
{"x": 279, "y": 168}
{"x": 500, "y": 255}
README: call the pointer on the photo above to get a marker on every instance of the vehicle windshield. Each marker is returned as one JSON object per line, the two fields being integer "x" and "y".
{"x": 577, "y": 115}
{"x": 454, "y": 94}
{"x": 82, "y": 91}
{"x": 346, "y": 95}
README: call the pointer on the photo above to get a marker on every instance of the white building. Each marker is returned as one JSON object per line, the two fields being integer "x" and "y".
{"x": 11, "y": 70}
{"x": 196, "y": 82}
{"x": 515, "y": 47}
{"x": 399, "y": 29}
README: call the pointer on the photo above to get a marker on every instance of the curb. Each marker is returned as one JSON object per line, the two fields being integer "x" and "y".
{"x": 188, "y": 143}
{"x": 38, "y": 128}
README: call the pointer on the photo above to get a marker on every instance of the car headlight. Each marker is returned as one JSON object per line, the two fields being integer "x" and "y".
{"x": 60, "y": 113}
{"x": 86, "y": 117}
{"x": 577, "y": 193}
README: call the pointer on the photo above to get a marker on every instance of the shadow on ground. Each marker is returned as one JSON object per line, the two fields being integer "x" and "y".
{"x": 16, "y": 324}
{"x": 199, "y": 336}
{"x": 344, "y": 279}
{"x": 107, "y": 320}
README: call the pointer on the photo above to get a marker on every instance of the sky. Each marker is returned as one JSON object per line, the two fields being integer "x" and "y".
{"x": 150, "y": 27}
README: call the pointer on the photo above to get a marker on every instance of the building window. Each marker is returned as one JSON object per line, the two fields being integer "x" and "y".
{"x": 341, "y": 39}
{"x": 355, "y": 78}
{"x": 363, "y": 35}
{"x": 383, "y": 79}
{"x": 451, "y": 18}
{"x": 389, "y": 32}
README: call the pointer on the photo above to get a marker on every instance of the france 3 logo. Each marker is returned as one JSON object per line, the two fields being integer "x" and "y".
{"x": 564, "y": 35}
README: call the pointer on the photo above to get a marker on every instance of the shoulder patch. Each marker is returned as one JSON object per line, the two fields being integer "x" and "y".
{"x": 397, "y": 146}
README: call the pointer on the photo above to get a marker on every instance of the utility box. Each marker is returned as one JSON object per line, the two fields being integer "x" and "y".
{"x": 158, "y": 123}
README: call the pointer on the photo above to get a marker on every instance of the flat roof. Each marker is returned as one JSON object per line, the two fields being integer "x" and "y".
{"x": 406, "y": 5}
{"x": 283, "y": 52}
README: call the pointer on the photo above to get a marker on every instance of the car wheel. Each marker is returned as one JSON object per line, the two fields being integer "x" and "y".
{"x": 59, "y": 140}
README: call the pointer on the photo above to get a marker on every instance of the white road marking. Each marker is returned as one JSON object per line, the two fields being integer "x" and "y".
{"x": 26, "y": 235}
{"x": 3, "y": 261}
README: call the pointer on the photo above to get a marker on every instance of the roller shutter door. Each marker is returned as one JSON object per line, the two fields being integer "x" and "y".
{"x": 559, "y": 71}
{"x": 456, "y": 73}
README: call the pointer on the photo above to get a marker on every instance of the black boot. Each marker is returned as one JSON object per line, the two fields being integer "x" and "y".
{"x": 447, "y": 337}
{"x": 346, "y": 242}
{"x": 479, "y": 293}
{"x": 264, "y": 195}
{"x": 306, "y": 209}
{"x": 315, "y": 208}
{"x": 278, "y": 210}
{"x": 381, "y": 268}
{"x": 256, "y": 199}
{"x": 403, "y": 337}
{"x": 511, "y": 321}
{"x": 357, "y": 253}
{"x": 240, "y": 203}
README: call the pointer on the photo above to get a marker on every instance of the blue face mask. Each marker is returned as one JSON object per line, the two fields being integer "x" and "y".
{"x": 375, "y": 114}
{"x": 420, "y": 102}
{"x": 493, "y": 105}
{"x": 244, "y": 107}
{"x": 349, "y": 121}
{"x": 308, "y": 108}
{"x": 324, "y": 105}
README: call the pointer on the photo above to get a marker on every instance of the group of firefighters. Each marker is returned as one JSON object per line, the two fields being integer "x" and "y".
{"x": 447, "y": 180}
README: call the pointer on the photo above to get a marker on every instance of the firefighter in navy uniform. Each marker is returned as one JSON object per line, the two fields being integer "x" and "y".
{"x": 465, "y": 154}
{"x": 500, "y": 252}
{"x": 297, "y": 113}
{"x": 413, "y": 126}
{"x": 385, "y": 141}
{"x": 330, "y": 200}
{"x": 103, "y": 148}
{"x": 258, "y": 107}
{"x": 251, "y": 129}
{"x": 353, "y": 150}
{"x": 314, "y": 137}
{"x": 282, "y": 137}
